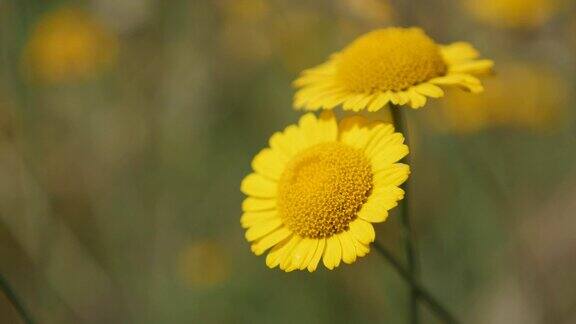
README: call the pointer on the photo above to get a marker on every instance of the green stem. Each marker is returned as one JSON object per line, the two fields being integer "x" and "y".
{"x": 400, "y": 125}
{"x": 421, "y": 292}
{"x": 14, "y": 300}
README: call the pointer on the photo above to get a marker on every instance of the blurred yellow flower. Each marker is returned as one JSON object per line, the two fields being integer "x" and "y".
{"x": 68, "y": 45}
{"x": 513, "y": 13}
{"x": 317, "y": 189}
{"x": 397, "y": 65}
{"x": 203, "y": 264}
{"x": 543, "y": 94}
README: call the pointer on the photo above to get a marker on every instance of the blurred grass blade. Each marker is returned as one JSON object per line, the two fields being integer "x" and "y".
{"x": 14, "y": 300}
{"x": 420, "y": 291}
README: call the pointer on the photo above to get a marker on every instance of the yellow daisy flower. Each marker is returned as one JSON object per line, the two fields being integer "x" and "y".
{"x": 397, "y": 65}
{"x": 68, "y": 45}
{"x": 542, "y": 106}
{"x": 513, "y": 13}
{"x": 317, "y": 189}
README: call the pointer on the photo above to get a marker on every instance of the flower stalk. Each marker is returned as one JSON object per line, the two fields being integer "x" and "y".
{"x": 408, "y": 236}
{"x": 420, "y": 292}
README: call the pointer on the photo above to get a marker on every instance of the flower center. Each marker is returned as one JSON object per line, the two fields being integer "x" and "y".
{"x": 323, "y": 188}
{"x": 390, "y": 59}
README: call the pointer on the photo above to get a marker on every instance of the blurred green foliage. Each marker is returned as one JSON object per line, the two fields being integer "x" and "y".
{"x": 119, "y": 188}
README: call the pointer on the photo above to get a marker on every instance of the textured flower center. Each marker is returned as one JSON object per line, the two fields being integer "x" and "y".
{"x": 390, "y": 59}
{"x": 323, "y": 188}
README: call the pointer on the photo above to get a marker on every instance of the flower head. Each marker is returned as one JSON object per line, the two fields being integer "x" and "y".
{"x": 541, "y": 107}
{"x": 203, "y": 263}
{"x": 317, "y": 189}
{"x": 397, "y": 65}
{"x": 68, "y": 44}
{"x": 513, "y": 13}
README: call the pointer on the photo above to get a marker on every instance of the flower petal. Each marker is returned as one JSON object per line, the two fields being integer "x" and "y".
{"x": 300, "y": 253}
{"x": 375, "y": 210}
{"x": 310, "y": 256}
{"x": 269, "y": 164}
{"x": 362, "y": 231}
{"x": 332, "y": 253}
{"x": 348, "y": 249}
{"x": 270, "y": 240}
{"x": 430, "y": 90}
{"x": 278, "y": 252}
{"x": 317, "y": 255}
{"x": 386, "y": 155}
{"x": 262, "y": 228}
{"x": 255, "y": 204}
{"x": 250, "y": 219}
{"x": 458, "y": 52}
{"x": 257, "y": 186}
{"x": 354, "y": 131}
{"x": 380, "y": 100}
{"x": 394, "y": 175}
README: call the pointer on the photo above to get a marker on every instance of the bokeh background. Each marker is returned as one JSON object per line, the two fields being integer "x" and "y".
{"x": 127, "y": 125}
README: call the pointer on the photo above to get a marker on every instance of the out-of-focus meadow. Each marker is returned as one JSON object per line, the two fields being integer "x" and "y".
{"x": 127, "y": 125}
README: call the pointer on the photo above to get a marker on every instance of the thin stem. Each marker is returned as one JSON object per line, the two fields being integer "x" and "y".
{"x": 421, "y": 292}
{"x": 400, "y": 125}
{"x": 14, "y": 300}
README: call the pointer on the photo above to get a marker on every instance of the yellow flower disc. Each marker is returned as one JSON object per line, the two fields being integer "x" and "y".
{"x": 322, "y": 189}
{"x": 390, "y": 59}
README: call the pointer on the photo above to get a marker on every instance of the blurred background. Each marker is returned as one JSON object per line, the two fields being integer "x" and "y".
{"x": 127, "y": 125}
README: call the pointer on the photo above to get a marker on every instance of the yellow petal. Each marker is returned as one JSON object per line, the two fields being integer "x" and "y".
{"x": 310, "y": 255}
{"x": 362, "y": 231}
{"x": 394, "y": 175}
{"x": 269, "y": 164}
{"x": 286, "y": 257}
{"x": 278, "y": 252}
{"x": 387, "y": 155}
{"x": 262, "y": 228}
{"x": 458, "y": 52}
{"x": 256, "y": 204}
{"x": 361, "y": 249}
{"x": 300, "y": 253}
{"x": 380, "y": 141}
{"x": 317, "y": 255}
{"x": 363, "y": 103}
{"x": 327, "y": 126}
{"x": 416, "y": 100}
{"x": 375, "y": 210}
{"x": 354, "y": 131}
{"x": 380, "y": 100}
{"x": 403, "y": 97}
{"x": 257, "y": 186}
{"x": 352, "y": 101}
{"x": 270, "y": 240}
{"x": 394, "y": 98}
{"x": 474, "y": 67}
{"x": 348, "y": 249}
{"x": 250, "y": 219}
{"x": 289, "y": 142}
{"x": 430, "y": 90}
{"x": 332, "y": 253}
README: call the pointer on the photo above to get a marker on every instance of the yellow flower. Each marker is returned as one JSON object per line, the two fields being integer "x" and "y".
{"x": 203, "y": 263}
{"x": 513, "y": 13}
{"x": 66, "y": 45}
{"x": 540, "y": 107}
{"x": 397, "y": 65}
{"x": 319, "y": 187}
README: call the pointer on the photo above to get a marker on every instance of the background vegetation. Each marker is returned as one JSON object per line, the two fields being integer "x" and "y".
{"x": 127, "y": 125}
